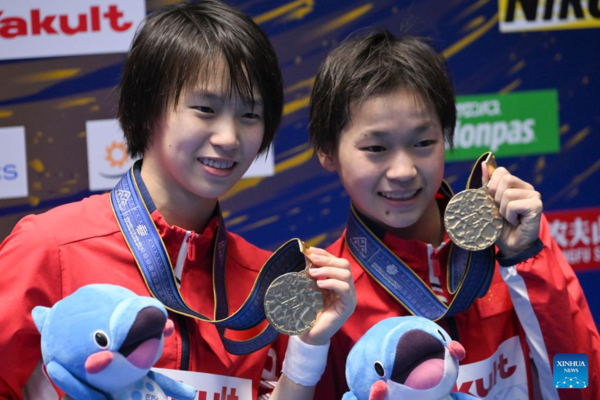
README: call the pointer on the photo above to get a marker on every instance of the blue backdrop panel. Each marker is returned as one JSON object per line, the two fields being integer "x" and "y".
{"x": 303, "y": 200}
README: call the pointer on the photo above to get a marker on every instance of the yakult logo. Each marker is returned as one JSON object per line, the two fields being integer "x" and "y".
{"x": 484, "y": 385}
{"x": 500, "y": 376}
{"x": 49, "y": 28}
{"x": 211, "y": 386}
{"x": 38, "y": 24}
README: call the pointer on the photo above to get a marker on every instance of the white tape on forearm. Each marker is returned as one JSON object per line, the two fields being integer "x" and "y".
{"x": 304, "y": 363}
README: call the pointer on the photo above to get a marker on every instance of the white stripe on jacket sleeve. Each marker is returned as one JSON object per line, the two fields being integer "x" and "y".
{"x": 531, "y": 326}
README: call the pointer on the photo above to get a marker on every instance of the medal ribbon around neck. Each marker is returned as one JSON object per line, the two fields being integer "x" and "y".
{"x": 150, "y": 254}
{"x": 469, "y": 272}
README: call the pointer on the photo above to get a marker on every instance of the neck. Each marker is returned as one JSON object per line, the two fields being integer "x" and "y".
{"x": 427, "y": 229}
{"x": 178, "y": 206}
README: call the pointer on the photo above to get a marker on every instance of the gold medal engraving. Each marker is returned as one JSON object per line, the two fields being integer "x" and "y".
{"x": 293, "y": 301}
{"x": 472, "y": 217}
{"x": 473, "y": 220}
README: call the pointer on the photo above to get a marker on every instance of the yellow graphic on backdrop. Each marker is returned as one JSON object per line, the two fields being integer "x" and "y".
{"x": 545, "y": 15}
{"x": 294, "y": 10}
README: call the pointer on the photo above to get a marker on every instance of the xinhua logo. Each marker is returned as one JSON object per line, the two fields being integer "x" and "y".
{"x": 571, "y": 371}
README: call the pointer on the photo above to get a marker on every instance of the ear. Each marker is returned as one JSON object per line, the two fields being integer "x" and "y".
{"x": 39, "y": 315}
{"x": 327, "y": 160}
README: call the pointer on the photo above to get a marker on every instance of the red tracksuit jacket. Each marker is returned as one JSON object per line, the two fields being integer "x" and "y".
{"x": 49, "y": 256}
{"x": 532, "y": 311}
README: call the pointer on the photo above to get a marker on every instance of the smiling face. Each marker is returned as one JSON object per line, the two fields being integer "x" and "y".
{"x": 390, "y": 159}
{"x": 208, "y": 142}
{"x": 204, "y": 146}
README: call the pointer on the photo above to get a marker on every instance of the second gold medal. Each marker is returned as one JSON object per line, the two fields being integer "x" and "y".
{"x": 472, "y": 218}
{"x": 293, "y": 301}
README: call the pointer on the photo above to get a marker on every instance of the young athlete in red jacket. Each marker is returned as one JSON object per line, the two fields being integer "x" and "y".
{"x": 382, "y": 108}
{"x": 201, "y": 95}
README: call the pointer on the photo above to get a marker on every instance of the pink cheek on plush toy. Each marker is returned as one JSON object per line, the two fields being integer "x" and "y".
{"x": 98, "y": 361}
{"x": 378, "y": 391}
{"x": 457, "y": 350}
{"x": 169, "y": 328}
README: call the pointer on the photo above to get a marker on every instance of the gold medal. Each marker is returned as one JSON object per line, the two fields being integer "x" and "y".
{"x": 472, "y": 217}
{"x": 293, "y": 301}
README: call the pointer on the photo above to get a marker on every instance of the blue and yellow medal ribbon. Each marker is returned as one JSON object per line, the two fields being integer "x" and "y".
{"x": 469, "y": 272}
{"x": 240, "y": 332}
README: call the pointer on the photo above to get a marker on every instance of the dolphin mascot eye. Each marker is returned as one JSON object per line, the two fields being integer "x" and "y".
{"x": 379, "y": 368}
{"x": 101, "y": 339}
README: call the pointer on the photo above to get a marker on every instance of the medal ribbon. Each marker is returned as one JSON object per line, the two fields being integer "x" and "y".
{"x": 148, "y": 249}
{"x": 469, "y": 272}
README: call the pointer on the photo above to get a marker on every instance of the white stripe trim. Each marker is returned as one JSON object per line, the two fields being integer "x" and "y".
{"x": 183, "y": 250}
{"x": 38, "y": 386}
{"x": 268, "y": 384}
{"x": 439, "y": 292}
{"x": 531, "y": 326}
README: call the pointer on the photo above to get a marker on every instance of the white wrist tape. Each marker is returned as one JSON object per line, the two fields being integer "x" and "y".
{"x": 304, "y": 363}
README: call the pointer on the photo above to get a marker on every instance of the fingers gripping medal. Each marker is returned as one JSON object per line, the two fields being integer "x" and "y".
{"x": 293, "y": 301}
{"x": 472, "y": 217}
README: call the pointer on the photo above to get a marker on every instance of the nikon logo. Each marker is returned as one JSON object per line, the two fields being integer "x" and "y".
{"x": 532, "y": 15}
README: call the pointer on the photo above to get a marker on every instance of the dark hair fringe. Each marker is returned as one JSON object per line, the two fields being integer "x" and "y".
{"x": 376, "y": 63}
{"x": 183, "y": 47}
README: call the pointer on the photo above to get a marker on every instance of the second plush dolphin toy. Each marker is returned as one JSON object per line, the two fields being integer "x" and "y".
{"x": 404, "y": 358}
{"x": 101, "y": 341}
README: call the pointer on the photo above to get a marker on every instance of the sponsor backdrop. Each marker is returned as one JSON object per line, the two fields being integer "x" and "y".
{"x": 526, "y": 73}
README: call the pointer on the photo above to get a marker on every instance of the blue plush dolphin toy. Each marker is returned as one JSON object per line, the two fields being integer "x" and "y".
{"x": 404, "y": 358}
{"x": 101, "y": 341}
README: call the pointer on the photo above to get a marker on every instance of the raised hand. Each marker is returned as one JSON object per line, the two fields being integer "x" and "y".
{"x": 332, "y": 274}
{"x": 520, "y": 206}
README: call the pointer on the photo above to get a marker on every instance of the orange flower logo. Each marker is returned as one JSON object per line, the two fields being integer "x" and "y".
{"x": 116, "y": 154}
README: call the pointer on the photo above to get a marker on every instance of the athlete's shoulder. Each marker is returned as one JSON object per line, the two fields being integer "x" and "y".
{"x": 80, "y": 220}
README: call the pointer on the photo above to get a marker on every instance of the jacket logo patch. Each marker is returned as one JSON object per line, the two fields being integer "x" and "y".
{"x": 502, "y": 375}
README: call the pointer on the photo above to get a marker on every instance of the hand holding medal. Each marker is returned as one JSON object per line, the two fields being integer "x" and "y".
{"x": 518, "y": 205}
{"x": 294, "y": 300}
{"x": 337, "y": 302}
